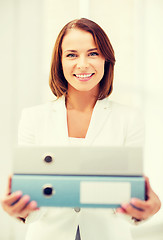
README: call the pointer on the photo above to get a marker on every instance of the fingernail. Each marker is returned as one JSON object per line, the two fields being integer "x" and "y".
{"x": 33, "y": 204}
{"x": 26, "y": 198}
{"x": 133, "y": 200}
{"x": 18, "y": 193}
{"x": 120, "y": 210}
{"x": 125, "y": 205}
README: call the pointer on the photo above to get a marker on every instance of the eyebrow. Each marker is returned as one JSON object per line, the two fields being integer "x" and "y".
{"x": 92, "y": 49}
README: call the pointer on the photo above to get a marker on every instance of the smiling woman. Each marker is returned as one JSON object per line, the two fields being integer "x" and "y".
{"x": 81, "y": 77}
{"x": 81, "y": 48}
{"x": 83, "y": 67}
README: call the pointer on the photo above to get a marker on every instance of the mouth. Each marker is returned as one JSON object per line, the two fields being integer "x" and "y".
{"x": 84, "y": 77}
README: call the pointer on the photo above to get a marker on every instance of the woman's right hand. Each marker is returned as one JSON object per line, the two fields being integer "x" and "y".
{"x": 17, "y": 205}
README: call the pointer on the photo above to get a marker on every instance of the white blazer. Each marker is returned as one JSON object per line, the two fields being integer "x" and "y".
{"x": 111, "y": 124}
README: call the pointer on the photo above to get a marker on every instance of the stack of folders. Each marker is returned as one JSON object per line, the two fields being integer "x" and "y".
{"x": 93, "y": 177}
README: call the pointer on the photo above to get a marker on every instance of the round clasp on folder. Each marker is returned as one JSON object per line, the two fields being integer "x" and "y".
{"x": 48, "y": 159}
{"x": 48, "y": 190}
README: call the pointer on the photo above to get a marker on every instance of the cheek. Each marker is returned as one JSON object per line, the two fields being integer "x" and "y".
{"x": 63, "y": 66}
{"x": 67, "y": 67}
{"x": 100, "y": 67}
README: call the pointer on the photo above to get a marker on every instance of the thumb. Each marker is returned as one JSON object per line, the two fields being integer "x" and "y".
{"x": 148, "y": 188}
{"x": 8, "y": 190}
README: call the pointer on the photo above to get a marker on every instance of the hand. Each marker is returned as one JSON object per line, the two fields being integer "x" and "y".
{"x": 17, "y": 205}
{"x": 147, "y": 208}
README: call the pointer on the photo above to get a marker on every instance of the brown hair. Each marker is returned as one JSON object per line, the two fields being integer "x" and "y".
{"x": 57, "y": 81}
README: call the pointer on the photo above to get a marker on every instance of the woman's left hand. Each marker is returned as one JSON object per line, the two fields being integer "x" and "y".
{"x": 147, "y": 208}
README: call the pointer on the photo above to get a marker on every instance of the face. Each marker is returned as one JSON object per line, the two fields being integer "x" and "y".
{"x": 82, "y": 62}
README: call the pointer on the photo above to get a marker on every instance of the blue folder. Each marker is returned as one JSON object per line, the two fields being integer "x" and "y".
{"x": 79, "y": 191}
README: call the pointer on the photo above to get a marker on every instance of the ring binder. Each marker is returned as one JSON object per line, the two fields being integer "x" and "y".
{"x": 80, "y": 191}
{"x": 93, "y": 177}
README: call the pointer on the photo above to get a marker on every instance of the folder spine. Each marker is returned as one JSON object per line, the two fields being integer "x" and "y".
{"x": 79, "y": 191}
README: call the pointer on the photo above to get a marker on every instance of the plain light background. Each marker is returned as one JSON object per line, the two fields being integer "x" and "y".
{"x": 28, "y": 30}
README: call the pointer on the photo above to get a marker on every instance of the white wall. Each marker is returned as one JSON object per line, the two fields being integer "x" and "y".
{"x": 153, "y": 98}
{"x": 6, "y": 80}
{"x": 28, "y": 31}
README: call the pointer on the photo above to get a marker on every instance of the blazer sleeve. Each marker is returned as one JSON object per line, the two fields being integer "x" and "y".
{"x": 26, "y": 136}
{"x": 135, "y": 136}
{"x": 27, "y": 128}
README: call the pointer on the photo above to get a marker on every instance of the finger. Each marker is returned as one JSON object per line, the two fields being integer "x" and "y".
{"x": 12, "y": 198}
{"x": 120, "y": 210}
{"x": 20, "y": 205}
{"x": 148, "y": 187}
{"x": 132, "y": 211}
{"x": 32, "y": 206}
{"x": 140, "y": 204}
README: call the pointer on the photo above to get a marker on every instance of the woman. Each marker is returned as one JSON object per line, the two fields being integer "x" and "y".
{"x": 81, "y": 78}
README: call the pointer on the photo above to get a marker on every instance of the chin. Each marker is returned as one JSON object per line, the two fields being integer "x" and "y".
{"x": 86, "y": 90}
{"x": 85, "y": 87}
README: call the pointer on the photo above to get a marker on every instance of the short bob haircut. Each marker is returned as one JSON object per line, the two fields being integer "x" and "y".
{"x": 57, "y": 81}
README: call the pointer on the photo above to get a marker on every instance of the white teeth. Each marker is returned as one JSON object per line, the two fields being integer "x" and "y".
{"x": 83, "y": 76}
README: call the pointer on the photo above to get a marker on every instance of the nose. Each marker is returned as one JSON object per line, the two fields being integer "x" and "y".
{"x": 82, "y": 62}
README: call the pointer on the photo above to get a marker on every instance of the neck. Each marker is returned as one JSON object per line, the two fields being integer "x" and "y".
{"x": 81, "y": 101}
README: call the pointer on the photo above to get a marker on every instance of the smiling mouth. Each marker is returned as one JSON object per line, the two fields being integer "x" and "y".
{"x": 84, "y": 76}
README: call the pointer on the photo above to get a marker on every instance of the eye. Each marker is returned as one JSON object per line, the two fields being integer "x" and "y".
{"x": 93, "y": 54}
{"x": 71, "y": 55}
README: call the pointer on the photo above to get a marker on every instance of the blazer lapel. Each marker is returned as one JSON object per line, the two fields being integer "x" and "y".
{"x": 100, "y": 113}
{"x": 99, "y": 116}
{"x": 60, "y": 120}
